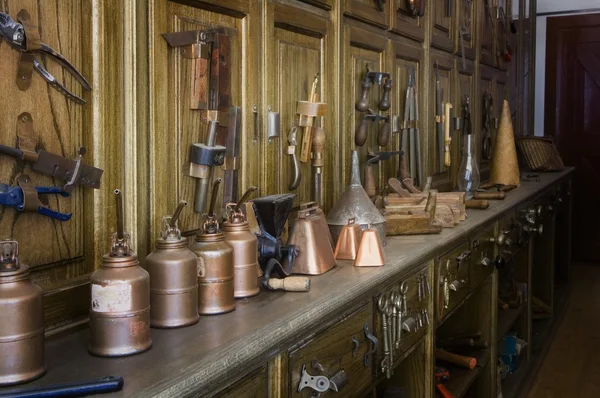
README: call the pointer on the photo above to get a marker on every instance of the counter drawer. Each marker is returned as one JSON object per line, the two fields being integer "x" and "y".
{"x": 452, "y": 276}
{"x": 253, "y": 385}
{"x": 413, "y": 316}
{"x": 482, "y": 256}
{"x": 345, "y": 346}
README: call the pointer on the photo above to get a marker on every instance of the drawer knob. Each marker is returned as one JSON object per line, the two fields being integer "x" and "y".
{"x": 532, "y": 230}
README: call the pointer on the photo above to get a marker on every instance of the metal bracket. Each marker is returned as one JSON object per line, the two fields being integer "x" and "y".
{"x": 273, "y": 125}
{"x": 374, "y": 344}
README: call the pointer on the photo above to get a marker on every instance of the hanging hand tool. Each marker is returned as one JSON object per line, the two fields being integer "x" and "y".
{"x": 383, "y": 137}
{"x": 362, "y": 105}
{"x": 318, "y": 145}
{"x": 439, "y": 117}
{"x": 26, "y": 198}
{"x": 374, "y": 158}
{"x": 411, "y": 143}
{"x": 447, "y": 138}
{"x": 488, "y": 109}
{"x": 296, "y": 176}
{"x": 307, "y": 112}
{"x": 404, "y": 176}
{"x": 232, "y": 155}
{"x": 214, "y": 97}
{"x": 25, "y": 37}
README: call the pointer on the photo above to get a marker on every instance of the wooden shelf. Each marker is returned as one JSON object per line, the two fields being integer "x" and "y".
{"x": 507, "y": 318}
{"x": 461, "y": 379}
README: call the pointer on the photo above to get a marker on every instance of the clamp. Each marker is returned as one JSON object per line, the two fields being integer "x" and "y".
{"x": 26, "y": 198}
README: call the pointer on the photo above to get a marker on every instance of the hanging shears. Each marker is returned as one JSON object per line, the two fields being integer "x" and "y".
{"x": 24, "y": 37}
{"x": 26, "y": 198}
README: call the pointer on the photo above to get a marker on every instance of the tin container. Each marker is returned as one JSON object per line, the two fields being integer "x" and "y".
{"x": 245, "y": 250}
{"x": 22, "y": 325}
{"x": 120, "y": 305}
{"x": 173, "y": 286}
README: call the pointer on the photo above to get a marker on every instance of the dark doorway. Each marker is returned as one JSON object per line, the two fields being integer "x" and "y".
{"x": 572, "y": 116}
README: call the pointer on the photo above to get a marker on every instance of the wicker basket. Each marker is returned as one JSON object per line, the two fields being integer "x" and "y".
{"x": 539, "y": 154}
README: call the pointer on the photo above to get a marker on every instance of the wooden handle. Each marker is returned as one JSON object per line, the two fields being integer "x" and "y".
{"x": 431, "y": 203}
{"x": 318, "y": 146}
{"x": 489, "y": 195}
{"x": 506, "y": 188}
{"x": 369, "y": 183}
{"x": 383, "y": 138}
{"x": 460, "y": 360}
{"x": 447, "y": 138}
{"x": 291, "y": 284}
{"x": 384, "y": 104}
{"x": 477, "y": 204}
{"x": 360, "y": 135}
{"x": 403, "y": 170}
{"x": 307, "y": 137}
{"x": 363, "y": 103}
{"x": 444, "y": 392}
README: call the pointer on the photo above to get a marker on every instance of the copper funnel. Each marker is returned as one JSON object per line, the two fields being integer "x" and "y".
{"x": 349, "y": 241}
{"x": 370, "y": 252}
{"x": 315, "y": 255}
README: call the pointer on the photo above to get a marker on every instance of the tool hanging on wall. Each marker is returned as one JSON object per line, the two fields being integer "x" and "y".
{"x": 318, "y": 146}
{"x": 25, "y": 37}
{"x": 213, "y": 96}
{"x": 232, "y": 155}
{"x": 362, "y": 105}
{"x": 447, "y": 138}
{"x": 372, "y": 159}
{"x": 439, "y": 118}
{"x": 25, "y": 197}
{"x": 307, "y": 112}
{"x": 411, "y": 142}
{"x": 296, "y": 175}
{"x": 488, "y": 125}
{"x": 74, "y": 171}
{"x": 464, "y": 32}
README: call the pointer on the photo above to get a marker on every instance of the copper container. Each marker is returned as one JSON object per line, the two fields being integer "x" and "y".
{"x": 173, "y": 285}
{"x": 308, "y": 234}
{"x": 245, "y": 249}
{"x": 120, "y": 305}
{"x": 22, "y": 320}
{"x": 370, "y": 252}
{"x": 215, "y": 266}
{"x": 349, "y": 241}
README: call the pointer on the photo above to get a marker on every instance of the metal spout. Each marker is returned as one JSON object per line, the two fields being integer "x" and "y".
{"x": 244, "y": 198}
{"x": 355, "y": 170}
{"x": 170, "y": 230}
{"x": 211, "y": 225}
{"x": 120, "y": 241}
{"x": 176, "y": 213}
{"x": 120, "y": 218}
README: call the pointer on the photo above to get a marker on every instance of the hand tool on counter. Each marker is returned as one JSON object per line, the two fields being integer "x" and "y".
{"x": 404, "y": 175}
{"x": 72, "y": 389}
{"x": 489, "y": 195}
{"x": 372, "y": 159}
{"x": 120, "y": 298}
{"x": 73, "y": 171}
{"x": 296, "y": 175}
{"x": 439, "y": 118}
{"x": 25, "y": 197}
{"x": 460, "y": 360}
{"x": 414, "y": 221}
{"x": 25, "y": 37}
{"x": 411, "y": 143}
{"x": 307, "y": 112}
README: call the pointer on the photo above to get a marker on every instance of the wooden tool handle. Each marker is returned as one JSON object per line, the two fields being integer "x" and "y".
{"x": 360, "y": 135}
{"x": 431, "y": 203}
{"x": 291, "y": 284}
{"x": 384, "y": 104}
{"x": 403, "y": 169}
{"x": 460, "y": 360}
{"x": 369, "y": 183}
{"x": 444, "y": 392}
{"x": 318, "y": 145}
{"x": 383, "y": 138}
{"x": 489, "y": 195}
{"x": 447, "y": 138}
{"x": 477, "y": 204}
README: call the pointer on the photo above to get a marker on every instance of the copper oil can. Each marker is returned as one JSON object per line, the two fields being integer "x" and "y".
{"x": 120, "y": 305}
{"x": 245, "y": 249}
{"x": 173, "y": 285}
{"x": 215, "y": 265}
{"x": 21, "y": 320}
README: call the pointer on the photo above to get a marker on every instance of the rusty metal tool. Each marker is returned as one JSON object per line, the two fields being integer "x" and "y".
{"x": 26, "y": 198}
{"x": 25, "y": 37}
{"x": 411, "y": 143}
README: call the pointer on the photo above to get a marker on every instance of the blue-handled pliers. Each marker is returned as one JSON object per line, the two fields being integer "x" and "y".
{"x": 15, "y": 197}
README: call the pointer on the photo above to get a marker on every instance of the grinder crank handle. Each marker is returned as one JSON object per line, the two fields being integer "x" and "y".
{"x": 290, "y": 284}
{"x": 12, "y": 152}
{"x": 103, "y": 385}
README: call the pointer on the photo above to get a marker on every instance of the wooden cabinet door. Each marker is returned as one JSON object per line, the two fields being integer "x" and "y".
{"x": 443, "y": 19}
{"x": 465, "y": 27}
{"x": 486, "y": 86}
{"x": 443, "y": 177}
{"x": 175, "y": 126}
{"x": 363, "y": 48}
{"x": 374, "y": 12}
{"x": 404, "y": 23}
{"x": 61, "y": 255}
{"x": 407, "y": 55}
{"x": 485, "y": 29}
{"x": 465, "y": 86}
{"x": 501, "y": 94}
{"x": 297, "y": 47}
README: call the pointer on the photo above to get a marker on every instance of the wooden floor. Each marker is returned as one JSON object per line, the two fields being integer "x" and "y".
{"x": 572, "y": 365}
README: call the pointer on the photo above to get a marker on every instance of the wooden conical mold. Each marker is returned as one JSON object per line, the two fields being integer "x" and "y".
{"x": 349, "y": 241}
{"x": 504, "y": 168}
{"x": 370, "y": 252}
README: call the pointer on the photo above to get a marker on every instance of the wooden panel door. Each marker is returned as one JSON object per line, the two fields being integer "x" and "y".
{"x": 485, "y": 35}
{"x": 515, "y": 73}
{"x": 501, "y": 94}
{"x": 61, "y": 255}
{"x": 464, "y": 36}
{"x": 465, "y": 87}
{"x": 405, "y": 23}
{"x": 443, "y": 20}
{"x": 443, "y": 177}
{"x": 363, "y": 48}
{"x": 175, "y": 125}
{"x": 375, "y": 12}
{"x": 297, "y": 48}
{"x": 407, "y": 55}
{"x": 572, "y": 117}
{"x": 485, "y": 127}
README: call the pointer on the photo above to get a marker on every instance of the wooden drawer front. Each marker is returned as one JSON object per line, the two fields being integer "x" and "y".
{"x": 482, "y": 256}
{"x": 341, "y": 346}
{"x": 414, "y": 317}
{"x": 253, "y": 385}
{"x": 406, "y": 24}
{"x": 369, "y": 11}
{"x": 452, "y": 272}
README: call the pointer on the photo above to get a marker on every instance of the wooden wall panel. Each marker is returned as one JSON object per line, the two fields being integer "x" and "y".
{"x": 486, "y": 84}
{"x": 486, "y": 26}
{"x": 466, "y": 20}
{"x": 368, "y": 11}
{"x": 443, "y": 26}
{"x": 404, "y": 23}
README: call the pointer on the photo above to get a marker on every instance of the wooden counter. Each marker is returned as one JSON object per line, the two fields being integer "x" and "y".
{"x": 219, "y": 350}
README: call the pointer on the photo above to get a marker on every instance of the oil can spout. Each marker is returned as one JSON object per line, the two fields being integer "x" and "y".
{"x": 245, "y": 198}
{"x": 176, "y": 213}
{"x": 213, "y": 199}
{"x": 120, "y": 242}
{"x": 120, "y": 218}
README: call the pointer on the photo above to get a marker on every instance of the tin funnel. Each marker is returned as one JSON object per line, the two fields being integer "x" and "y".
{"x": 355, "y": 203}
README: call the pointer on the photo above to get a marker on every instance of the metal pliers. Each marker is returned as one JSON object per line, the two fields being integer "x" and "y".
{"x": 15, "y": 35}
{"x": 17, "y": 197}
